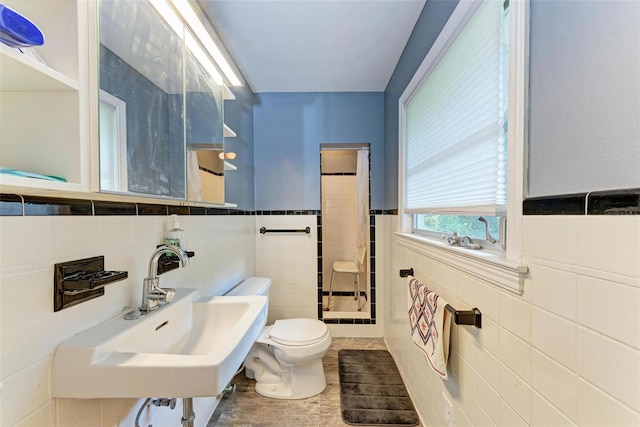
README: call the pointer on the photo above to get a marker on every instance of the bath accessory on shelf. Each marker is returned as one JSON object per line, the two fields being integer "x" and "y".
{"x": 168, "y": 262}
{"x": 18, "y": 31}
{"x": 460, "y": 317}
{"x": 264, "y": 230}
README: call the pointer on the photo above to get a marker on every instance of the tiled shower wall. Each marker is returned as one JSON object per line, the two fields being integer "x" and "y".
{"x": 566, "y": 352}
{"x": 339, "y": 215}
{"x": 30, "y": 330}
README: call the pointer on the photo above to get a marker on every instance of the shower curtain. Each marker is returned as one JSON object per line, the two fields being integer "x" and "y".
{"x": 362, "y": 184}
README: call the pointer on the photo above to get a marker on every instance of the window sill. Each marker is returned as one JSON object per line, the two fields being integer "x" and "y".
{"x": 493, "y": 268}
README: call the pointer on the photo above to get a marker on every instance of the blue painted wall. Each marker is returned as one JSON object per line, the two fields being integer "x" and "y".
{"x": 288, "y": 131}
{"x": 584, "y": 95}
{"x": 584, "y": 114}
{"x": 433, "y": 17}
{"x": 238, "y": 115}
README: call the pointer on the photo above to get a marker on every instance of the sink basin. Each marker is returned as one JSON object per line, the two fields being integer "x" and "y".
{"x": 191, "y": 347}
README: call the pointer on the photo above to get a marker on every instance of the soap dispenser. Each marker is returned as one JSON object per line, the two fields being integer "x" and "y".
{"x": 176, "y": 236}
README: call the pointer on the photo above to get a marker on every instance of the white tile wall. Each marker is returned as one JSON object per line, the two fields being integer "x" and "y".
{"x": 339, "y": 215}
{"x": 30, "y": 330}
{"x": 546, "y": 415}
{"x": 290, "y": 260}
{"x": 597, "y": 408}
{"x": 567, "y": 352}
{"x": 564, "y": 353}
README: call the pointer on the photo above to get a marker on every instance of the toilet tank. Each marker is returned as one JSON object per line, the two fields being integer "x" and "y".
{"x": 252, "y": 286}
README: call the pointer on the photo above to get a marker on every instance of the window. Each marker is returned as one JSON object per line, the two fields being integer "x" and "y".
{"x": 468, "y": 225}
{"x": 454, "y": 123}
{"x": 113, "y": 143}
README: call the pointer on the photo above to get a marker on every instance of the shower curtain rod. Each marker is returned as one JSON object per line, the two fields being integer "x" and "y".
{"x": 341, "y": 147}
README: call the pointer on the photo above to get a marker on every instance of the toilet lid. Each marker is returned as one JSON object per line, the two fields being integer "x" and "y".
{"x": 298, "y": 331}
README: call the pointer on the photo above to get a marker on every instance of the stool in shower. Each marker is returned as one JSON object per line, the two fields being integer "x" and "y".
{"x": 350, "y": 267}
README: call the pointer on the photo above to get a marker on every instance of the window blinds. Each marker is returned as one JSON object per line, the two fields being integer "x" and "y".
{"x": 455, "y": 124}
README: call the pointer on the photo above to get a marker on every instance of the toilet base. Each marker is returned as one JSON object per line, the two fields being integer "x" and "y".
{"x": 297, "y": 382}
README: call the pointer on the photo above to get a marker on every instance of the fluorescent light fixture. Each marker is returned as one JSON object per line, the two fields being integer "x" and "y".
{"x": 169, "y": 15}
{"x": 163, "y": 8}
{"x": 190, "y": 17}
{"x": 202, "y": 57}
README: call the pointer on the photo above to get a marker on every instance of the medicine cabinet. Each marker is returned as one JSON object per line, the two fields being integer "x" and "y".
{"x": 161, "y": 105}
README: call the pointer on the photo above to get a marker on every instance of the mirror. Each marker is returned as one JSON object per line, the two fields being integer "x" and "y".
{"x": 159, "y": 102}
{"x": 204, "y": 132}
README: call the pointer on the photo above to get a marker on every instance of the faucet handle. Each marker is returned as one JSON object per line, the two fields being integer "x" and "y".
{"x": 454, "y": 239}
{"x": 162, "y": 294}
{"x": 169, "y": 294}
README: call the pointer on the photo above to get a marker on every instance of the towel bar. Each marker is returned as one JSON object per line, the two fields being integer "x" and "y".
{"x": 465, "y": 317}
{"x": 460, "y": 317}
{"x": 264, "y": 230}
{"x": 405, "y": 273}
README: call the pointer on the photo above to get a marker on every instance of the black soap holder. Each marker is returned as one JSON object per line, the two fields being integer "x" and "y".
{"x": 81, "y": 280}
{"x": 168, "y": 262}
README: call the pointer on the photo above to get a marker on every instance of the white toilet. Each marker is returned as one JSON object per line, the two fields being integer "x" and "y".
{"x": 286, "y": 360}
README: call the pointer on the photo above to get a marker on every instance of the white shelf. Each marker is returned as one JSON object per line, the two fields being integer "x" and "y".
{"x": 229, "y": 167}
{"x": 44, "y": 106}
{"x": 23, "y": 73}
{"x": 10, "y": 183}
{"x": 228, "y": 132}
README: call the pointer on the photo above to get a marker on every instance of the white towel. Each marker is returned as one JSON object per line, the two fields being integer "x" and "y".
{"x": 430, "y": 325}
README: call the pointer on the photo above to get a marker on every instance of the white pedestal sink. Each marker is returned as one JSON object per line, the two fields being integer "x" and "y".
{"x": 190, "y": 347}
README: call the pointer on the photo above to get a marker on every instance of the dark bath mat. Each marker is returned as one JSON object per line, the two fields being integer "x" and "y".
{"x": 371, "y": 390}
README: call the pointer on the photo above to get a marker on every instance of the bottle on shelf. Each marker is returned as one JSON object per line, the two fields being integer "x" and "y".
{"x": 176, "y": 236}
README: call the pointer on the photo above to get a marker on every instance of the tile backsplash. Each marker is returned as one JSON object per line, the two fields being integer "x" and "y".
{"x": 30, "y": 331}
{"x": 566, "y": 352}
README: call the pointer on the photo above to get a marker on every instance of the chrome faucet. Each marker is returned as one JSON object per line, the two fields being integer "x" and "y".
{"x": 152, "y": 293}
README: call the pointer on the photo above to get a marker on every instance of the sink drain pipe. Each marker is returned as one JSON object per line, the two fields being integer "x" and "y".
{"x": 187, "y": 412}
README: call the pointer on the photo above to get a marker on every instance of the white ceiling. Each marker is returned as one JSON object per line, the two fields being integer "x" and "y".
{"x": 315, "y": 45}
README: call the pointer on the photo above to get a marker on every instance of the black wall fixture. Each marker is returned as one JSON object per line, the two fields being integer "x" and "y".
{"x": 81, "y": 280}
{"x": 168, "y": 262}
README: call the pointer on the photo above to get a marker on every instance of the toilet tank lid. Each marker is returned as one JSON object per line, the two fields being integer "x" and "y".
{"x": 252, "y": 286}
{"x": 298, "y": 332}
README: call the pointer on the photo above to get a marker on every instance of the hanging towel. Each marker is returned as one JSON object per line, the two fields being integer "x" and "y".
{"x": 430, "y": 325}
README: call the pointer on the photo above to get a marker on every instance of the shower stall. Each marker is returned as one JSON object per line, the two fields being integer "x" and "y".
{"x": 345, "y": 230}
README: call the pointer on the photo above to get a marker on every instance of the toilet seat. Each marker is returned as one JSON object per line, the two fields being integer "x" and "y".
{"x": 298, "y": 332}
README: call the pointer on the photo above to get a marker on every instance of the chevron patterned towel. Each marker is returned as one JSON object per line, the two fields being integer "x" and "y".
{"x": 430, "y": 325}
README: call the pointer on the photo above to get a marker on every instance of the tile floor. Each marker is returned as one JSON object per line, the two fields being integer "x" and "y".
{"x": 247, "y": 408}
